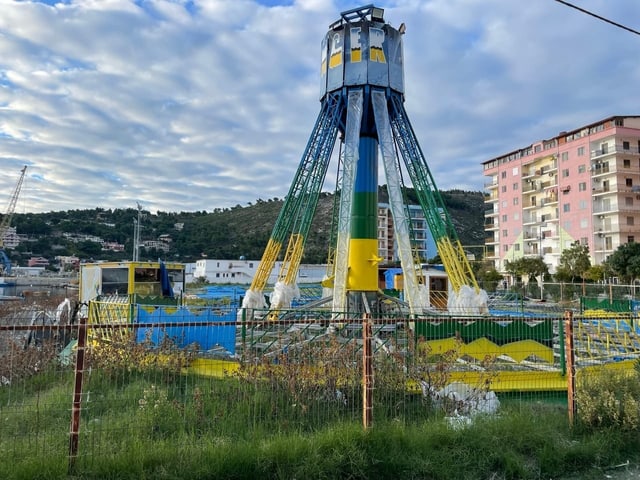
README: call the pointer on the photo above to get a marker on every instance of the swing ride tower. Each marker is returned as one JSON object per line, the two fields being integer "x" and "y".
{"x": 362, "y": 103}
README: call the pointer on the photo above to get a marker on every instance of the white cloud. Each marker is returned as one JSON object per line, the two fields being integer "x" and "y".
{"x": 186, "y": 106}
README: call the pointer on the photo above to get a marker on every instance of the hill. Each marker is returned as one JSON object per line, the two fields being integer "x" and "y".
{"x": 224, "y": 233}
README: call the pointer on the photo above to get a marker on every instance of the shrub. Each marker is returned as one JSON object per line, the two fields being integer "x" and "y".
{"x": 122, "y": 353}
{"x": 609, "y": 399}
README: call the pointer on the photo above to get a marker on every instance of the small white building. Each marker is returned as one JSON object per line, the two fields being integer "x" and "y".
{"x": 242, "y": 271}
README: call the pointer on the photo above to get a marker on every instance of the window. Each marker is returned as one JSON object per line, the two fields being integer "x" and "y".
{"x": 628, "y": 182}
{"x": 580, "y": 151}
{"x": 629, "y": 220}
{"x": 514, "y": 172}
{"x": 631, "y": 239}
{"x": 566, "y": 207}
{"x": 608, "y": 244}
{"x": 628, "y": 201}
{"x": 565, "y": 173}
{"x": 582, "y": 168}
{"x": 504, "y": 204}
{"x": 564, "y": 156}
{"x": 504, "y": 218}
{"x": 626, "y": 163}
{"x": 584, "y": 223}
{"x": 582, "y": 205}
{"x": 503, "y": 175}
{"x": 505, "y": 233}
{"x": 582, "y": 186}
{"x": 115, "y": 281}
{"x": 516, "y": 200}
{"x": 516, "y": 216}
{"x": 584, "y": 241}
{"x": 516, "y": 247}
{"x": 504, "y": 189}
{"x": 505, "y": 248}
{"x": 625, "y": 145}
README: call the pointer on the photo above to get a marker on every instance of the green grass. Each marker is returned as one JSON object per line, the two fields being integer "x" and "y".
{"x": 150, "y": 426}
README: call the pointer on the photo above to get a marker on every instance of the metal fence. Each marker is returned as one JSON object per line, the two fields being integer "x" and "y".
{"x": 118, "y": 377}
{"x": 569, "y": 295}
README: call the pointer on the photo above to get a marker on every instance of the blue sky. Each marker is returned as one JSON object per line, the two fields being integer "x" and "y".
{"x": 195, "y": 105}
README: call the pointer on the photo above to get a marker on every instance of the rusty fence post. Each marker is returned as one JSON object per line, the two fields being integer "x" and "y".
{"x": 571, "y": 368}
{"x": 367, "y": 372}
{"x": 76, "y": 407}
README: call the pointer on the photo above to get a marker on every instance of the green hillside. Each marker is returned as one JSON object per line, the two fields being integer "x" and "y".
{"x": 224, "y": 233}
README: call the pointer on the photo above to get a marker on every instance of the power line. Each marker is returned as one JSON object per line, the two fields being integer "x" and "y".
{"x": 599, "y": 17}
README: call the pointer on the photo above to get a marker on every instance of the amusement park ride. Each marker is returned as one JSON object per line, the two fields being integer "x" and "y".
{"x": 362, "y": 103}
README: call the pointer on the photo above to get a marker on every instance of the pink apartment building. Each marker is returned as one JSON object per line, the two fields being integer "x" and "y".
{"x": 582, "y": 185}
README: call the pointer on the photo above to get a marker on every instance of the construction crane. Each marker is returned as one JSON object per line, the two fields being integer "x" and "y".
{"x": 5, "y": 223}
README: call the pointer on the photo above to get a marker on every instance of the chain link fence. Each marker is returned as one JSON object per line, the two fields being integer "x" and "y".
{"x": 110, "y": 378}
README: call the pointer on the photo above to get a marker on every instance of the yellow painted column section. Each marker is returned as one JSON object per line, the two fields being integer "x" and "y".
{"x": 363, "y": 265}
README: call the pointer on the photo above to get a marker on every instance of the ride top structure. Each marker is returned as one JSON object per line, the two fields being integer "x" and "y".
{"x": 362, "y": 101}
{"x": 5, "y": 263}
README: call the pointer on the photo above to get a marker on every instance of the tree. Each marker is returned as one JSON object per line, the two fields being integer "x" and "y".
{"x": 597, "y": 273}
{"x": 487, "y": 275}
{"x": 574, "y": 263}
{"x": 625, "y": 261}
{"x": 529, "y": 266}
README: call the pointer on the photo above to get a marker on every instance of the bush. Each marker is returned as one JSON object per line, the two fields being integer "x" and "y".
{"x": 609, "y": 399}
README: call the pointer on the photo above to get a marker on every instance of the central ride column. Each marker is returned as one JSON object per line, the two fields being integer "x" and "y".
{"x": 363, "y": 244}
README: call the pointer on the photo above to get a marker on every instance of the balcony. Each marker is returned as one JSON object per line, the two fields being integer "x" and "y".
{"x": 599, "y": 169}
{"x": 531, "y": 236}
{"x": 599, "y": 152}
{"x": 601, "y": 190}
{"x": 529, "y": 186}
{"x": 603, "y": 151}
{"x": 491, "y": 226}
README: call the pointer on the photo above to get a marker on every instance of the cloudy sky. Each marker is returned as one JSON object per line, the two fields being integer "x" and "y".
{"x": 185, "y": 105}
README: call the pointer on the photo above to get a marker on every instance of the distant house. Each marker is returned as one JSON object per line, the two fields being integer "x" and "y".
{"x": 78, "y": 237}
{"x": 38, "y": 262}
{"x": 157, "y": 244}
{"x": 68, "y": 262}
{"x": 10, "y": 239}
{"x": 112, "y": 247}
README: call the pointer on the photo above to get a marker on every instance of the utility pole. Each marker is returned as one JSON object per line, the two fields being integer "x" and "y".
{"x": 136, "y": 234}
